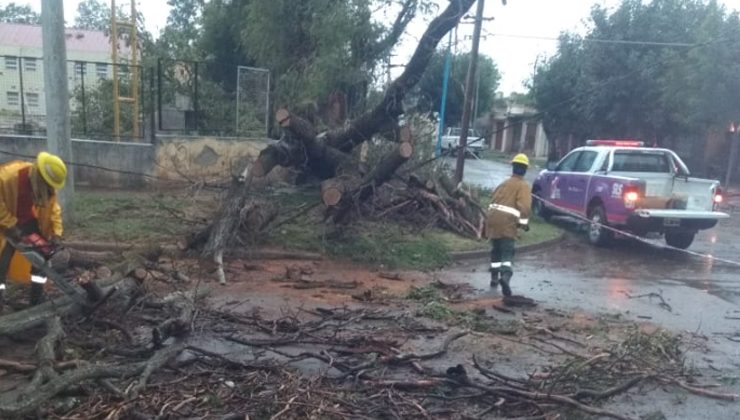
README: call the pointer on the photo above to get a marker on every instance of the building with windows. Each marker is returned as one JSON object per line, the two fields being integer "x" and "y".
{"x": 21, "y": 71}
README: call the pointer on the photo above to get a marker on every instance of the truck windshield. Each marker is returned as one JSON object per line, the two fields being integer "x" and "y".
{"x": 637, "y": 161}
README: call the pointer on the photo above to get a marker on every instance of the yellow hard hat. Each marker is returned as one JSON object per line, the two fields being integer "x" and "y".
{"x": 52, "y": 169}
{"x": 521, "y": 158}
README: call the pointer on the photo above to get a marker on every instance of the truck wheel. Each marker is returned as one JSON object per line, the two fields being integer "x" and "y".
{"x": 539, "y": 208}
{"x": 680, "y": 240}
{"x": 598, "y": 234}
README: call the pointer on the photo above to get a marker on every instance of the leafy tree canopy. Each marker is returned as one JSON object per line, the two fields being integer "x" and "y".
{"x": 429, "y": 89}
{"x": 669, "y": 74}
{"x": 14, "y": 13}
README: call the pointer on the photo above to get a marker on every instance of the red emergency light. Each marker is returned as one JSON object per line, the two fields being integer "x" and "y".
{"x": 617, "y": 143}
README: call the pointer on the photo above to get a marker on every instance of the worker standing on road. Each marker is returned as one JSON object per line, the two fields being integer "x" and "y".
{"x": 508, "y": 211}
{"x": 28, "y": 205}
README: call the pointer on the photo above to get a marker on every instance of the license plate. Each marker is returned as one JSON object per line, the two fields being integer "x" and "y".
{"x": 670, "y": 222}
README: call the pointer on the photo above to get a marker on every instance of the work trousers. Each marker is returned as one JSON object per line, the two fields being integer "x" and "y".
{"x": 502, "y": 255}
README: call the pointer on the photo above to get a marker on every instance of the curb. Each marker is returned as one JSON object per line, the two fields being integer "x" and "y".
{"x": 485, "y": 253}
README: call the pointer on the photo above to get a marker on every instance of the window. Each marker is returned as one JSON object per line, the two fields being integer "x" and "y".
{"x": 80, "y": 69}
{"x": 12, "y": 98}
{"x": 101, "y": 70}
{"x": 29, "y": 64}
{"x": 11, "y": 63}
{"x": 586, "y": 161}
{"x": 569, "y": 162}
{"x": 32, "y": 100}
{"x": 625, "y": 161}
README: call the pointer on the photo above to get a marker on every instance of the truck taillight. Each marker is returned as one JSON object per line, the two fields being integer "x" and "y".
{"x": 718, "y": 198}
{"x": 631, "y": 196}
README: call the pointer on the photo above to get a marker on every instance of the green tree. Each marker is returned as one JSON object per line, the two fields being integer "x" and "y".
{"x": 96, "y": 118}
{"x": 316, "y": 46}
{"x": 669, "y": 78}
{"x": 94, "y": 15}
{"x": 14, "y": 13}
{"x": 429, "y": 89}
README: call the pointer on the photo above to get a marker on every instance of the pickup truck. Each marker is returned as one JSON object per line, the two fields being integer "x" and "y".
{"x": 451, "y": 139}
{"x": 621, "y": 184}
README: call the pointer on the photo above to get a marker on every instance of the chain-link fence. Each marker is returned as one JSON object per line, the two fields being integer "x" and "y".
{"x": 252, "y": 101}
{"x": 190, "y": 103}
{"x": 175, "y": 97}
{"x": 23, "y": 102}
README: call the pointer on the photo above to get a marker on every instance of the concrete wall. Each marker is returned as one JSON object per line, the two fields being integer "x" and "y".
{"x": 128, "y": 163}
{"x": 204, "y": 158}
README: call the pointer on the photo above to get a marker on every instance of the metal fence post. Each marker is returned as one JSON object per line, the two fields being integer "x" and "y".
{"x": 84, "y": 100}
{"x": 152, "y": 128}
{"x": 23, "y": 95}
{"x": 141, "y": 111}
{"x": 195, "y": 97}
{"x": 159, "y": 91}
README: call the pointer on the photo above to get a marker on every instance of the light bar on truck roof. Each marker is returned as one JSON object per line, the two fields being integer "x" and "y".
{"x": 617, "y": 143}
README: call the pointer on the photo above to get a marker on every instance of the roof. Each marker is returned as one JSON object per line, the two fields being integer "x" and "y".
{"x": 29, "y": 36}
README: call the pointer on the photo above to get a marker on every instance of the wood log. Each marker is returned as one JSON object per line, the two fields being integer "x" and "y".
{"x": 35, "y": 316}
{"x": 338, "y": 192}
{"x": 425, "y": 184}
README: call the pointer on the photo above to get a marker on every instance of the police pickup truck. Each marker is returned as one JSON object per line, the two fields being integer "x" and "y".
{"x": 621, "y": 184}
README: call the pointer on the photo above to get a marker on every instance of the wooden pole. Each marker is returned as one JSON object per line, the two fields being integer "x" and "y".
{"x": 469, "y": 93}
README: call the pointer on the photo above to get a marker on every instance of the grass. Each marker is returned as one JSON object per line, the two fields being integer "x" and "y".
{"x": 124, "y": 216}
{"x": 140, "y": 217}
{"x": 391, "y": 245}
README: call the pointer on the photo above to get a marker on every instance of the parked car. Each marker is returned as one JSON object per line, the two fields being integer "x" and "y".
{"x": 629, "y": 187}
{"x": 451, "y": 140}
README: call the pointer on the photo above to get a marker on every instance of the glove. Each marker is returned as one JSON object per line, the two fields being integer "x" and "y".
{"x": 13, "y": 233}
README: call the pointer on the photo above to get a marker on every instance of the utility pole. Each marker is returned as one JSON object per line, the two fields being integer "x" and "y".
{"x": 57, "y": 95}
{"x": 469, "y": 93}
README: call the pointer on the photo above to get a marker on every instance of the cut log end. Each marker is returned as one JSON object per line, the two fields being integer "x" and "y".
{"x": 282, "y": 116}
{"x": 331, "y": 196}
{"x": 405, "y": 150}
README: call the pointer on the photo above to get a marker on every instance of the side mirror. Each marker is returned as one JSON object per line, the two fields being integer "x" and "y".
{"x": 551, "y": 165}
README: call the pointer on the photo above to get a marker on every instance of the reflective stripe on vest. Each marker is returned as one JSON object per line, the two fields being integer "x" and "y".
{"x": 38, "y": 279}
{"x": 506, "y": 209}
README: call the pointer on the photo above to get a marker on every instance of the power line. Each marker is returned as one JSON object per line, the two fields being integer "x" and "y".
{"x": 599, "y": 40}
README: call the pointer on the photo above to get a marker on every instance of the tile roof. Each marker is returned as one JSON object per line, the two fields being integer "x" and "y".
{"x": 79, "y": 40}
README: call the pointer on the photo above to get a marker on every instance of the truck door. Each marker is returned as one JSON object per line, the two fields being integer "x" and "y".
{"x": 578, "y": 180}
{"x": 557, "y": 183}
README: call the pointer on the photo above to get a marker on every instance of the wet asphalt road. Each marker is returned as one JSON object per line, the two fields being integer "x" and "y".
{"x": 703, "y": 296}
{"x": 632, "y": 280}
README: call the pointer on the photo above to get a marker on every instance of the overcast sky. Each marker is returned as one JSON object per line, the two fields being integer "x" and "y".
{"x": 509, "y": 38}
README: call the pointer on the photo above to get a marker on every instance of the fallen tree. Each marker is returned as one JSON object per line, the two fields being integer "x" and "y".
{"x": 328, "y": 155}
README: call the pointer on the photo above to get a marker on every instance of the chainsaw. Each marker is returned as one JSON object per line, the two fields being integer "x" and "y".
{"x": 38, "y": 251}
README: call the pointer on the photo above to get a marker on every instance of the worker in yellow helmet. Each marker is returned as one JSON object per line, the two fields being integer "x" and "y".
{"x": 28, "y": 206}
{"x": 508, "y": 211}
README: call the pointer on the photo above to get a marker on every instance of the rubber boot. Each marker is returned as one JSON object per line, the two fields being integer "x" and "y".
{"x": 37, "y": 294}
{"x": 505, "y": 279}
{"x": 494, "y": 278}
